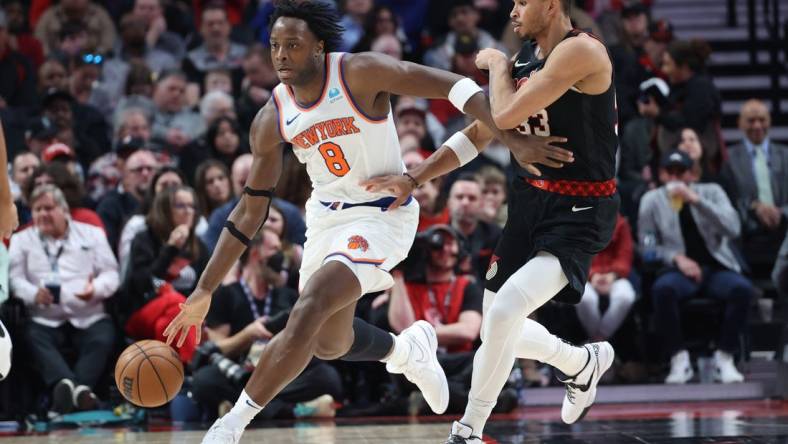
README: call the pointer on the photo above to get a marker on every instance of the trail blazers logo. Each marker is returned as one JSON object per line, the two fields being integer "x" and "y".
{"x": 493, "y": 270}
{"x": 357, "y": 243}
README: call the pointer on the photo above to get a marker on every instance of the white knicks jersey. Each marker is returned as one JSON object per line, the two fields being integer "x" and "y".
{"x": 339, "y": 144}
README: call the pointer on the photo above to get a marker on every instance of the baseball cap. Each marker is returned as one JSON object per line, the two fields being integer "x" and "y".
{"x": 661, "y": 31}
{"x": 465, "y": 44}
{"x": 56, "y": 151}
{"x": 657, "y": 88}
{"x": 676, "y": 159}
{"x": 633, "y": 8}
{"x": 53, "y": 94}
{"x": 41, "y": 128}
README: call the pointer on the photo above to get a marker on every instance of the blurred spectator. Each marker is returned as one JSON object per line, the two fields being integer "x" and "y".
{"x": 465, "y": 208}
{"x": 218, "y": 80}
{"x": 119, "y": 204}
{"x": 167, "y": 252}
{"x": 98, "y": 24}
{"x": 59, "y": 174}
{"x": 690, "y": 144}
{"x": 131, "y": 47}
{"x": 463, "y": 19}
{"x": 17, "y": 76}
{"x": 660, "y": 34}
{"x": 22, "y": 167}
{"x": 353, "y": 21}
{"x": 72, "y": 39}
{"x": 103, "y": 176}
{"x": 156, "y": 34}
{"x": 223, "y": 141}
{"x": 780, "y": 272}
{"x": 629, "y": 73}
{"x": 52, "y": 75}
{"x": 695, "y": 101}
{"x": 411, "y": 116}
{"x": 21, "y": 38}
{"x": 216, "y": 104}
{"x": 212, "y": 184}
{"x": 166, "y": 177}
{"x": 174, "y": 125}
{"x": 138, "y": 92}
{"x": 41, "y": 132}
{"x": 451, "y": 302}
{"x": 608, "y": 278}
{"x": 431, "y": 212}
{"x": 238, "y": 175}
{"x": 259, "y": 79}
{"x": 494, "y": 208}
{"x": 243, "y": 317}
{"x": 84, "y": 84}
{"x": 389, "y": 45}
{"x": 294, "y": 185}
{"x": 756, "y": 178}
{"x": 283, "y": 270}
{"x": 216, "y": 51}
{"x": 379, "y": 23}
{"x": 702, "y": 262}
{"x": 64, "y": 270}
{"x": 132, "y": 123}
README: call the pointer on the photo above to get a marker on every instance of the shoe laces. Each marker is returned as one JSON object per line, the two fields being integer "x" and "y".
{"x": 570, "y": 392}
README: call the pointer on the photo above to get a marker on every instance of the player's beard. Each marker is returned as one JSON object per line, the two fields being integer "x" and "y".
{"x": 530, "y": 29}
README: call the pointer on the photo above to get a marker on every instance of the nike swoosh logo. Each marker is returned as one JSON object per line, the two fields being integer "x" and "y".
{"x": 520, "y": 65}
{"x": 251, "y": 405}
{"x": 289, "y": 121}
{"x": 422, "y": 351}
{"x": 575, "y": 208}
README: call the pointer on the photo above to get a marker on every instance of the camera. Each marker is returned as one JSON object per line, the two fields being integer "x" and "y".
{"x": 415, "y": 264}
{"x": 209, "y": 354}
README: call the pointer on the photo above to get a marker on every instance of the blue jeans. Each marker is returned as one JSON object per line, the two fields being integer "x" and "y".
{"x": 673, "y": 287}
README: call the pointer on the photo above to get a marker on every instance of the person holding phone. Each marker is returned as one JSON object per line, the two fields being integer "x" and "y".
{"x": 63, "y": 270}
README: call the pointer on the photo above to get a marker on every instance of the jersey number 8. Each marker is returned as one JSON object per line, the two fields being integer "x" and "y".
{"x": 536, "y": 125}
{"x": 335, "y": 158}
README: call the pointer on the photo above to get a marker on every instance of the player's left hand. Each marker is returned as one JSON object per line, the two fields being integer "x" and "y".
{"x": 530, "y": 150}
{"x": 398, "y": 186}
{"x": 486, "y": 56}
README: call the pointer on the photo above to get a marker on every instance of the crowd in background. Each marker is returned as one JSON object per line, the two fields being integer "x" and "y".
{"x": 127, "y": 124}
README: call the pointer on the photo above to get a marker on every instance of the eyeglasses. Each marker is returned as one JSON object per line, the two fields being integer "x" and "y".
{"x": 183, "y": 206}
{"x": 142, "y": 168}
{"x": 93, "y": 59}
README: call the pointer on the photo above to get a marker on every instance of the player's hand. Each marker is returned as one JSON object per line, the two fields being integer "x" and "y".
{"x": 192, "y": 314}
{"x": 8, "y": 219}
{"x": 398, "y": 186}
{"x": 688, "y": 267}
{"x": 486, "y": 56}
{"x": 530, "y": 150}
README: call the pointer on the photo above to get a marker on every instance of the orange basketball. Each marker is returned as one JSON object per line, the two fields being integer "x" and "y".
{"x": 149, "y": 373}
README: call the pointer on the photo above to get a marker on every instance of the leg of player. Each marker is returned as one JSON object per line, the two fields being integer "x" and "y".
{"x": 332, "y": 288}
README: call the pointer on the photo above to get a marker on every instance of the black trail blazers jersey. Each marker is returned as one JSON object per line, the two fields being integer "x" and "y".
{"x": 587, "y": 121}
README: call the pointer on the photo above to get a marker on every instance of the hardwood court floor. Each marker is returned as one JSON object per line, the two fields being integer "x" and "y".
{"x": 720, "y": 422}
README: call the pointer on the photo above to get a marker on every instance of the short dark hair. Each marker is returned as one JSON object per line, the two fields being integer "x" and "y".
{"x": 321, "y": 18}
{"x": 567, "y": 4}
{"x": 693, "y": 53}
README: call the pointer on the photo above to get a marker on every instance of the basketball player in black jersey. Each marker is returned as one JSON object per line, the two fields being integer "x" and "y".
{"x": 560, "y": 84}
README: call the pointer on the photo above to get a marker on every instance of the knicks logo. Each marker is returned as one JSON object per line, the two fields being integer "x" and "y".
{"x": 493, "y": 270}
{"x": 357, "y": 243}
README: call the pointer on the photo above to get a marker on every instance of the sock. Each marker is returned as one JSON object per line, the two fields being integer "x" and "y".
{"x": 370, "y": 343}
{"x": 399, "y": 352}
{"x": 535, "y": 342}
{"x": 242, "y": 413}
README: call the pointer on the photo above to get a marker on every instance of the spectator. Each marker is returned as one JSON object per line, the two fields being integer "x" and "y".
{"x": 494, "y": 208}
{"x": 21, "y": 38}
{"x": 212, "y": 184}
{"x": 412, "y": 117}
{"x": 284, "y": 268}
{"x": 389, "y": 45}
{"x": 133, "y": 123}
{"x": 218, "y": 80}
{"x": 355, "y": 16}
{"x": 258, "y": 82}
{"x": 84, "y": 85}
{"x": 463, "y": 19}
{"x": 238, "y": 175}
{"x": 167, "y": 252}
{"x": 223, "y": 142}
{"x": 431, "y": 212}
{"x": 465, "y": 208}
{"x": 701, "y": 261}
{"x": 690, "y": 144}
{"x": 166, "y": 177}
{"x": 98, "y": 24}
{"x": 150, "y": 13}
{"x": 243, "y": 317}
{"x": 608, "y": 277}
{"x": 660, "y": 35}
{"x": 216, "y": 104}
{"x": 17, "y": 76}
{"x": 217, "y": 51}
{"x": 780, "y": 272}
{"x": 118, "y": 205}
{"x": 52, "y": 75}
{"x": 174, "y": 125}
{"x": 756, "y": 178}
{"x": 696, "y": 102}
{"x": 629, "y": 73}
{"x": 138, "y": 92}
{"x": 59, "y": 174}
{"x": 41, "y": 132}
{"x": 72, "y": 39}
{"x": 22, "y": 168}
{"x": 103, "y": 176}
{"x": 64, "y": 270}
{"x": 383, "y": 22}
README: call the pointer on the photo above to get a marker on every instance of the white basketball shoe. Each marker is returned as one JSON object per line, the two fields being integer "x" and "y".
{"x": 581, "y": 389}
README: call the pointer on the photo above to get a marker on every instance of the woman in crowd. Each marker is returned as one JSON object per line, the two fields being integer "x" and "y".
{"x": 212, "y": 184}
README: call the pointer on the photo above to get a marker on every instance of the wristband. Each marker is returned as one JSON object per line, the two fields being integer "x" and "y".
{"x": 462, "y": 147}
{"x": 462, "y": 91}
{"x": 412, "y": 180}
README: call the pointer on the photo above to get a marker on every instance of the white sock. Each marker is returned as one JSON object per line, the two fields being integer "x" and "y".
{"x": 399, "y": 354}
{"x": 242, "y": 413}
{"x": 537, "y": 343}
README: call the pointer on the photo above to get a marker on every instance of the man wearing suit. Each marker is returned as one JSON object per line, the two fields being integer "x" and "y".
{"x": 694, "y": 224}
{"x": 756, "y": 178}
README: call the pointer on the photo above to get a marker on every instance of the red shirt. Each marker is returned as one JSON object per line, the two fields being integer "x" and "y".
{"x": 444, "y": 305}
{"x": 617, "y": 256}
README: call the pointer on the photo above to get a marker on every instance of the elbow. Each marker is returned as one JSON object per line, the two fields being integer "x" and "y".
{"x": 504, "y": 120}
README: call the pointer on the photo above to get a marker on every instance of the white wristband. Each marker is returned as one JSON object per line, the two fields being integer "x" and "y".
{"x": 462, "y": 147}
{"x": 462, "y": 91}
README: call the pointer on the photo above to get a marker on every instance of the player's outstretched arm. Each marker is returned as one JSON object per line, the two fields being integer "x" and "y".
{"x": 8, "y": 216}
{"x": 581, "y": 59}
{"x": 242, "y": 224}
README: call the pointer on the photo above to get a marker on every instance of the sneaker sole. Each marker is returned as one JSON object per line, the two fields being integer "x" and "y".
{"x": 432, "y": 339}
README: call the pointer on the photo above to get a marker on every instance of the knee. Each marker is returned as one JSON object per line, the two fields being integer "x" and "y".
{"x": 624, "y": 293}
{"x": 310, "y": 311}
{"x": 663, "y": 291}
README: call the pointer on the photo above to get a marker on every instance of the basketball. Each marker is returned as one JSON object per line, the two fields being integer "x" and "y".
{"x": 149, "y": 373}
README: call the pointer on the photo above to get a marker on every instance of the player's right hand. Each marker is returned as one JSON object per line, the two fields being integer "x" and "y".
{"x": 192, "y": 314}
{"x": 398, "y": 186}
{"x": 531, "y": 150}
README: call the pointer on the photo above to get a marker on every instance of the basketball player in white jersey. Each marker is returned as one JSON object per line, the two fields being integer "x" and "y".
{"x": 8, "y": 223}
{"x": 335, "y": 111}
